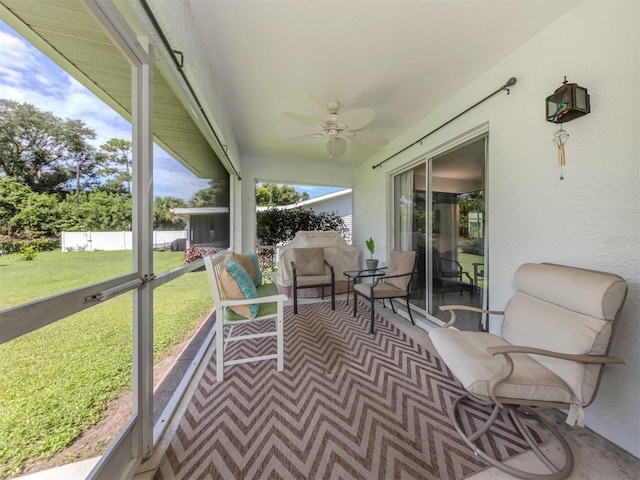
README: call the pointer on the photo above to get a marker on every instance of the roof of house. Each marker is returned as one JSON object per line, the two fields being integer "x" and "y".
{"x": 309, "y": 202}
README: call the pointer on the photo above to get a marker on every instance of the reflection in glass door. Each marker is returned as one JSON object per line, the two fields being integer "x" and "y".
{"x": 457, "y": 240}
{"x": 410, "y": 225}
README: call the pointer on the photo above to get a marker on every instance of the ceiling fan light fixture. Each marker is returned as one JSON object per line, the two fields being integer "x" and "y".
{"x": 338, "y": 127}
{"x": 336, "y": 147}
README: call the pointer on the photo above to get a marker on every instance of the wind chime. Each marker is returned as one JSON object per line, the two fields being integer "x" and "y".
{"x": 568, "y": 102}
{"x": 560, "y": 138}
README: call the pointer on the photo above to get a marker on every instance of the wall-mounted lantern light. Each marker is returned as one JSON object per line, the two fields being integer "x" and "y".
{"x": 568, "y": 102}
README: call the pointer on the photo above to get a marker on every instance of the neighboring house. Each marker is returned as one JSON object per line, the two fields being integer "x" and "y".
{"x": 206, "y": 225}
{"x": 340, "y": 202}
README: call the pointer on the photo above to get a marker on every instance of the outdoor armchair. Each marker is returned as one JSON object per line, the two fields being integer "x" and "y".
{"x": 555, "y": 339}
{"x": 236, "y": 302}
{"x": 395, "y": 283}
{"x": 448, "y": 274}
{"x": 311, "y": 270}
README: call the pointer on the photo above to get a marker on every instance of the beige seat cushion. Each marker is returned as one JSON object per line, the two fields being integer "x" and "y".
{"x": 465, "y": 353}
{"x": 309, "y": 261}
{"x": 564, "y": 309}
{"x": 399, "y": 263}
{"x": 314, "y": 280}
{"x": 382, "y": 290}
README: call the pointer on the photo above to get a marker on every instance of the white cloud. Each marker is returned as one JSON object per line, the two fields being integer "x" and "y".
{"x": 27, "y": 75}
{"x": 17, "y": 54}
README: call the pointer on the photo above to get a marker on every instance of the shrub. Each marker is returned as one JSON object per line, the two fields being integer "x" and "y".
{"x": 28, "y": 253}
{"x": 275, "y": 226}
{"x": 195, "y": 252}
{"x": 13, "y": 245}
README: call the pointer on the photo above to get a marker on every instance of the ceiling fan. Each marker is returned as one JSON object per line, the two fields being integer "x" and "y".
{"x": 338, "y": 128}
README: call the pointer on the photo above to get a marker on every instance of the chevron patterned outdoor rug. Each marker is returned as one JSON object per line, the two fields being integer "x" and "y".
{"x": 348, "y": 405}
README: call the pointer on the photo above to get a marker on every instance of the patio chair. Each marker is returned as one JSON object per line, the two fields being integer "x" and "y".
{"x": 395, "y": 283}
{"x": 555, "y": 340}
{"x": 448, "y": 274}
{"x": 237, "y": 303}
{"x": 311, "y": 270}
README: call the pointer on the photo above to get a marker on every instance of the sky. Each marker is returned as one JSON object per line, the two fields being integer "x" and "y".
{"x": 27, "y": 75}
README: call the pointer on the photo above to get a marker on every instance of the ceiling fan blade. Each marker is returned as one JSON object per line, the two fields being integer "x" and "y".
{"x": 336, "y": 147}
{"x": 357, "y": 118}
{"x": 303, "y": 138}
{"x": 366, "y": 137}
{"x": 303, "y": 119}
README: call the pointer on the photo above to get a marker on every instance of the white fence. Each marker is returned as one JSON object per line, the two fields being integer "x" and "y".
{"x": 91, "y": 241}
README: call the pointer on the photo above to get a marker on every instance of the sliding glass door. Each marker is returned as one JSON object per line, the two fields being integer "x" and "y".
{"x": 457, "y": 196}
{"x": 439, "y": 212}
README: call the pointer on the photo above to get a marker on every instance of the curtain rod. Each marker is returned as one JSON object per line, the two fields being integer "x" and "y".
{"x": 180, "y": 66}
{"x": 512, "y": 81}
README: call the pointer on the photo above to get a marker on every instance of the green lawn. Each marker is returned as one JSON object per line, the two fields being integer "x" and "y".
{"x": 466, "y": 261}
{"x": 56, "y": 381}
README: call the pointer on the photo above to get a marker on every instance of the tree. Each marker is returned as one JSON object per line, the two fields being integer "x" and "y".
{"x": 276, "y": 226}
{"x": 271, "y": 195}
{"x": 215, "y": 195}
{"x": 163, "y": 217}
{"x": 469, "y": 203}
{"x": 100, "y": 211}
{"x": 41, "y": 150}
{"x": 13, "y": 195}
{"x": 115, "y": 156}
{"x": 25, "y": 214}
{"x": 82, "y": 154}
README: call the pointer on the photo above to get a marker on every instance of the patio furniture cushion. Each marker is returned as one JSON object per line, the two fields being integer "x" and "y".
{"x": 257, "y": 273}
{"x": 399, "y": 263}
{"x": 309, "y": 261}
{"x": 249, "y": 265}
{"x": 245, "y": 262}
{"x": 473, "y": 365}
{"x": 265, "y": 290}
{"x": 566, "y": 310}
{"x": 237, "y": 285}
{"x": 555, "y": 308}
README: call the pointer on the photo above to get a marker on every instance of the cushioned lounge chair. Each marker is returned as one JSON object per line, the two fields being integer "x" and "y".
{"x": 555, "y": 339}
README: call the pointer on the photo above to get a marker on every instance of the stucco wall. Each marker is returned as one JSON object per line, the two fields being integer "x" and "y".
{"x": 591, "y": 219}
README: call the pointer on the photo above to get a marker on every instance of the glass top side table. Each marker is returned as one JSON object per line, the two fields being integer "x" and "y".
{"x": 354, "y": 275}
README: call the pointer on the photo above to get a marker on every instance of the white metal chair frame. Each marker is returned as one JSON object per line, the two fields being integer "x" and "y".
{"x": 214, "y": 265}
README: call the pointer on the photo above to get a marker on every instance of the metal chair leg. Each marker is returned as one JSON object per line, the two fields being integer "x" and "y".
{"x": 355, "y": 303}
{"x": 516, "y": 413}
{"x": 409, "y": 310}
{"x": 372, "y": 313}
{"x": 393, "y": 308}
{"x": 333, "y": 295}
